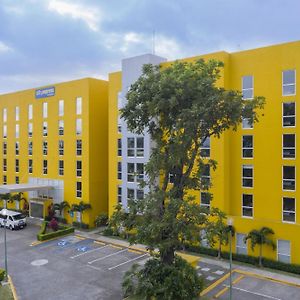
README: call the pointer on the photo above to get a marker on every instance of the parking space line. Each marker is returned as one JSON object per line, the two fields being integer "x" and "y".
{"x": 134, "y": 251}
{"x": 114, "y": 246}
{"x": 215, "y": 284}
{"x": 220, "y": 293}
{"x": 100, "y": 243}
{"x": 88, "y": 251}
{"x": 127, "y": 261}
{"x": 109, "y": 255}
{"x": 95, "y": 268}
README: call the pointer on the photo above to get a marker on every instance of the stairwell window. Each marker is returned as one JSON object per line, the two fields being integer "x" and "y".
{"x": 130, "y": 147}
{"x": 247, "y": 87}
{"x": 45, "y": 148}
{"x": 30, "y": 111}
{"x": 119, "y": 194}
{"x": 78, "y": 168}
{"x": 17, "y": 166}
{"x": 61, "y": 127}
{"x": 45, "y": 167}
{"x": 247, "y": 205}
{"x": 78, "y": 105}
{"x": 78, "y": 126}
{"x": 4, "y": 179}
{"x": 4, "y": 148}
{"x": 119, "y": 147}
{"x": 288, "y": 210}
{"x": 61, "y": 147}
{"x": 205, "y": 148}
{"x": 4, "y": 164}
{"x": 45, "y": 110}
{"x": 205, "y": 199}
{"x": 247, "y": 176}
{"x": 30, "y": 150}
{"x": 288, "y": 146}
{"x": 78, "y": 189}
{"x": 17, "y": 113}
{"x": 4, "y": 131}
{"x": 130, "y": 172}
{"x": 289, "y": 114}
{"x": 60, "y": 167}
{"x": 78, "y": 147}
{"x": 289, "y": 178}
{"x": 61, "y": 108}
{"x": 17, "y": 131}
{"x": 17, "y": 148}
{"x": 205, "y": 175}
{"x": 119, "y": 170}
{"x": 30, "y": 166}
{"x": 289, "y": 82}
{"x": 140, "y": 172}
{"x": 45, "y": 128}
{"x": 30, "y": 129}
{"x": 247, "y": 146}
{"x": 4, "y": 115}
{"x": 140, "y": 147}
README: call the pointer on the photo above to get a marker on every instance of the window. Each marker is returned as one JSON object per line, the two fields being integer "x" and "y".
{"x": 284, "y": 251}
{"x": 140, "y": 172}
{"x": 17, "y": 113}
{"x": 45, "y": 167}
{"x": 4, "y": 115}
{"x": 288, "y": 146}
{"x": 4, "y": 164}
{"x": 45, "y": 148}
{"x": 139, "y": 194}
{"x": 4, "y": 179}
{"x": 61, "y": 127}
{"x": 17, "y": 148}
{"x": 30, "y": 112}
{"x": 78, "y": 168}
{"x": 79, "y": 147}
{"x": 60, "y": 167}
{"x": 78, "y": 126}
{"x": 247, "y": 151}
{"x": 119, "y": 129}
{"x": 30, "y": 148}
{"x": 30, "y": 127}
{"x": 289, "y": 114}
{"x": 17, "y": 166}
{"x": 119, "y": 147}
{"x": 247, "y": 205}
{"x": 289, "y": 176}
{"x": 288, "y": 82}
{"x": 288, "y": 210}
{"x": 205, "y": 199}
{"x": 140, "y": 147}
{"x": 4, "y": 148}
{"x": 119, "y": 170}
{"x": 119, "y": 194}
{"x": 241, "y": 245}
{"x": 171, "y": 177}
{"x": 17, "y": 131}
{"x": 130, "y": 194}
{"x": 247, "y": 87}
{"x": 78, "y": 105}
{"x": 247, "y": 123}
{"x": 45, "y": 110}
{"x": 130, "y": 147}
{"x": 205, "y": 148}
{"x": 247, "y": 176}
{"x": 30, "y": 166}
{"x": 78, "y": 189}
{"x": 17, "y": 180}
{"x": 205, "y": 175}
{"x": 60, "y": 147}
{"x": 61, "y": 108}
{"x": 5, "y": 131}
{"x": 45, "y": 129}
{"x": 130, "y": 172}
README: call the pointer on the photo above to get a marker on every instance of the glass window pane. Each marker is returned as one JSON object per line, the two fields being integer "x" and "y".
{"x": 289, "y": 77}
{"x": 247, "y": 82}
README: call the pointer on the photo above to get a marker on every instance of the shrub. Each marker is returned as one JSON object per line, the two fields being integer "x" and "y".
{"x": 108, "y": 231}
{"x": 53, "y": 224}
{"x": 80, "y": 225}
{"x": 101, "y": 220}
{"x": 62, "y": 231}
{"x": 43, "y": 227}
{"x": 61, "y": 220}
{"x": 2, "y": 274}
{"x": 278, "y": 265}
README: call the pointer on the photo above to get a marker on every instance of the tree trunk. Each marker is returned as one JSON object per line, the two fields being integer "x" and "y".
{"x": 168, "y": 256}
{"x": 260, "y": 255}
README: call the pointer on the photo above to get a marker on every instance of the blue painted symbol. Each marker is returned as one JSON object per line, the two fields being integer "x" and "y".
{"x": 62, "y": 243}
{"x": 82, "y": 249}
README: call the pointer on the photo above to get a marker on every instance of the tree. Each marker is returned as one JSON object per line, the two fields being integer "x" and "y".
{"x": 81, "y": 207}
{"x": 19, "y": 197}
{"x": 180, "y": 106}
{"x": 260, "y": 237}
{"x": 216, "y": 229}
{"x": 61, "y": 207}
{"x": 5, "y": 198}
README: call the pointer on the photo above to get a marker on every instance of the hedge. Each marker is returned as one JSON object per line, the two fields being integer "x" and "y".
{"x": 63, "y": 230}
{"x": 2, "y": 274}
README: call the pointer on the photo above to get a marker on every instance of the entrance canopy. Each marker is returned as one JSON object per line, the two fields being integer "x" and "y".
{"x": 23, "y": 187}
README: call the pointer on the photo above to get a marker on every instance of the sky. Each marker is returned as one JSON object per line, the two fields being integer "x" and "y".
{"x": 49, "y": 41}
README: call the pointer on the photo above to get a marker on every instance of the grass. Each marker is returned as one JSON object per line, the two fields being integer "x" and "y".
{"x": 6, "y": 293}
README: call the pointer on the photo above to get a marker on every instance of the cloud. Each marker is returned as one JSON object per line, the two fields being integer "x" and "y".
{"x": 4, "y": 48}
{"x": 89, "y": 15}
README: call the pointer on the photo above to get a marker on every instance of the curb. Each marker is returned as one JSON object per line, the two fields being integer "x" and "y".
{"x": 13, "y": 289}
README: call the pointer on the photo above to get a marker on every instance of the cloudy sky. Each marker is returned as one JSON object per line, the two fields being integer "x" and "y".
{"x": 48, "y": 41}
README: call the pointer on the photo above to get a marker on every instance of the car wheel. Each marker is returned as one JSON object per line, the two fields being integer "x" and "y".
{"x": 10, "y": 227}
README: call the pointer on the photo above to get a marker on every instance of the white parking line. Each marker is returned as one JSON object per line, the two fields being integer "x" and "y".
{"x": 257, "y": 294}
{"x": 109, "y": 255}
{"x": 126, "y": 262}
{"x": 89, "y": 251}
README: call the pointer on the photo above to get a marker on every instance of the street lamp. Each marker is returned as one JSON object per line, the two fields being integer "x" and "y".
{"x": 230, "y": 226}
{"x": 4, "y": 213}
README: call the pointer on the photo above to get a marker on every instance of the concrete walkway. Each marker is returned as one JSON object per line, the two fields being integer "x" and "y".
{"x": 284, "y": 277}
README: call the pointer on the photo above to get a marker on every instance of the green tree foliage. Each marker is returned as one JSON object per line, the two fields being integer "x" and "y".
{"x": 81, "y": 207}
{"x": 261, "y": 237}
{"x": 180, "y": 106}
{"x": 61, "y": 207}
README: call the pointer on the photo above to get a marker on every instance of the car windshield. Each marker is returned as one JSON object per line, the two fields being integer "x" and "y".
{"x": 19, "y": 217}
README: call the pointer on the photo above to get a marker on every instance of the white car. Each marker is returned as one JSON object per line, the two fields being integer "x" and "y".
{"x": 15, "y": 220}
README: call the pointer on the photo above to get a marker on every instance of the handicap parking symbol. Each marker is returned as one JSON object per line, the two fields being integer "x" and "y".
{"x": 82, "y": 249}
{"x": 62, "y": 243}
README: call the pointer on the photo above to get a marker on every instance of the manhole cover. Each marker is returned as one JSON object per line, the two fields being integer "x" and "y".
{"x": 39, "y": 262}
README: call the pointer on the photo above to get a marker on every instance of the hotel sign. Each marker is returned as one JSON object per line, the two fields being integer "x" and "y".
{"x": 45, "y": 92}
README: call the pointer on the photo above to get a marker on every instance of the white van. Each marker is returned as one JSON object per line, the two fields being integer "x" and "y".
{"x": 15, "y": 220}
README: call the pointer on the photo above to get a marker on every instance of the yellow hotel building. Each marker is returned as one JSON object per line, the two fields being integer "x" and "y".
{"x": 255, "y": 181}
{"x": 54, "y": 145}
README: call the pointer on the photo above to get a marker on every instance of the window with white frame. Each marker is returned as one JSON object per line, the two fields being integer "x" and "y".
{"x": 30, "y": 112}
{"x": 78, "y": 147}
{"x": 17, "y": 113}
{"x": 45, "y": 148}
{"x": 205, "y": 148}
{"x": 30, "y": 129}
{"x": 4, "y": 164}
{"x": 130, "y": 147}
{"x": 30, "y": 166}
{"x": 284, "y": 251}
{"x": 119, "y": 194}
{"x": 45, "y": 128}
{"x": 205, "y": 175}
{"x": 17, "y": 131}
{"x": 130, "y": 194}
{"x": 205, "y": 199}
{"x": 78, "y": 126}
{"x": 247, "y": 87}
{"x": 78, "y": 168}
{"x": 4, "y": 115}
{"x": 119, "y": 147}
{"x": 60, "y": 127}
{"x": 17, "y": 166}
{"x": 61, "y": 108}
{"x": 247, "y": 151}
{"x": 135, "y": 147}
{"x": 288, "y": 114}
{"x": 45, "y": 110}
{"x": 4, "y": 148}
{"x": 5, "y": 131}
{"x": 140, "y": 172}
{"x": 78, "y": 189}
{"x": 61, "y": 167}
{"x": 288, "y": 82}
{"x": 119, "y": 170}
{"x": 203, "y": 238}
{"x": 139, "y": 194}
{"x": 247, "y": 205}
{"x": 171, "y": 177}
{"x": 247, "y": 123}
{"x": 119, "y": 128}
{"x": 130, "y": 172}
{"x": 140, "y": 147}
{"x": 30, "y": 150}
{"x": 247, "y": 176}
{"x": 45, "y": 167}
{"x": 17, "y": 148}
{"x": 241, "y": 245}
{"x": 17, "y": 180}
{"x": 288, "y": 146}
{"x": 60, "y": 147}
{"x": 288, "y": 209}
{"x": 4, "y": 179}
{"x": 289, "y": 178}
{"x": 78, "y": 105}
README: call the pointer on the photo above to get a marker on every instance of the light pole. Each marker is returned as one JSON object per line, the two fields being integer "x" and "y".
{"x": 4, "y": 213}
{"x": 230, "y": 225}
